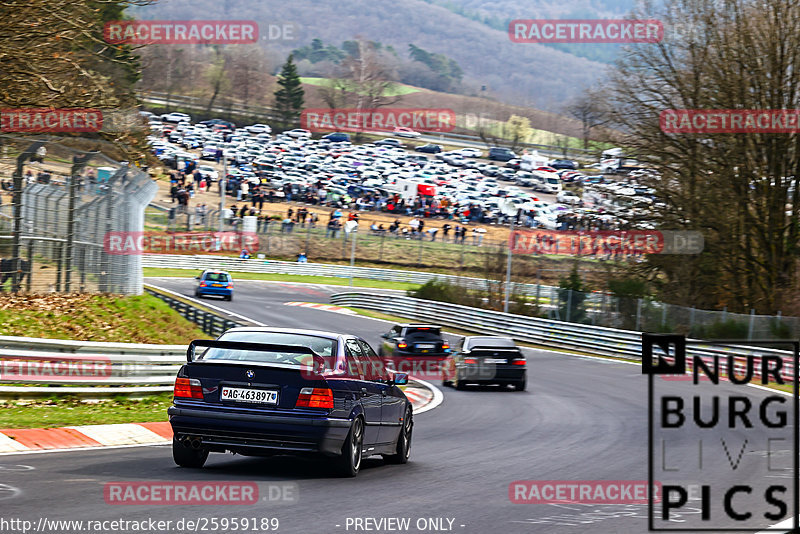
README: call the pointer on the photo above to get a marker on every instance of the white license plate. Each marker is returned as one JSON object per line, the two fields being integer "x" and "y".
{"x": 426, "y": 346}
{"x": 261, "y": 396}
{"x": 495, "y": 360}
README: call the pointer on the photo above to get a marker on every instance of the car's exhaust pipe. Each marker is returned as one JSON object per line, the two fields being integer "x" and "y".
{"x": 196, "y": 443}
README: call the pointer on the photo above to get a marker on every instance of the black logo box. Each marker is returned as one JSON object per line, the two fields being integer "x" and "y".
{"x": 675, "y": 345}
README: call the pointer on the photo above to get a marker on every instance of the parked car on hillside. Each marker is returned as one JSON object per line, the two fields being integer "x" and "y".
{"x": 497, "y": 153}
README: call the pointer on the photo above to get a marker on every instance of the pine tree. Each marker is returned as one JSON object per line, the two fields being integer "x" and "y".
{"x": 289, "y": 99}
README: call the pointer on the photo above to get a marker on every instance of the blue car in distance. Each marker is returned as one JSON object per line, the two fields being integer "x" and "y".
{"x": 218, "y": 283}
{"x": 261, "y": 391}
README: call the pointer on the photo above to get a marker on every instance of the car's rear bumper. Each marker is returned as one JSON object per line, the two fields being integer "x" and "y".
{"x": 489, "y": 375}
{"x": 221, "y": 291}
{"x": 260, "y": 433}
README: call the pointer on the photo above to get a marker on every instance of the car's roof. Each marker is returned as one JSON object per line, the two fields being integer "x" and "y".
{"x": 298, "y": 331}
{"x": 215, "y": 271}
{"x": 419, "y": 325}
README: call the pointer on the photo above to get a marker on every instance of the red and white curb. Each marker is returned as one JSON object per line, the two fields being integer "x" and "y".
{"x": 30, "y": 440}
{"x": 323, "y": 307}
{"x": 23, "y": 440}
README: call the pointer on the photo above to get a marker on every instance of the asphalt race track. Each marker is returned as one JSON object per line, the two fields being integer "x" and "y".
{"x": 581, "y": 419}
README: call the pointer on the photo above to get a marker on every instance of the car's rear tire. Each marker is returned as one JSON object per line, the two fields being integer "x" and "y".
{"x": 459, "y": 384}
{"x": 229, "y": 298}
{"x": 349, "y": 463}
{"x": 403, "y": 449}
{"x": 520, "y": 386}
{"x": 187, "y": 456}
{"x": 197, "y": 294}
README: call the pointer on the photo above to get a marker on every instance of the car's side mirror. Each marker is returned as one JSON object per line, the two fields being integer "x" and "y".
{"x": 398, "y": 379}
{"x": 385, "y": 336}
{"x": 197, "y": 277}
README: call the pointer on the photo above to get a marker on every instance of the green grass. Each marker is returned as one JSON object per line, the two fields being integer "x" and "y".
{"x": 357, "y": 282}
{"x": 55, "y": 412}
{"x": 111, "y": 318}
{"x": 396, "y": 90}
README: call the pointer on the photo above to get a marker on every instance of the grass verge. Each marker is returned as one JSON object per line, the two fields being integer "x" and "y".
{"x": 111, "y": 318}
{"x": 357, "y": 282}
{"x": 57, "y": 412}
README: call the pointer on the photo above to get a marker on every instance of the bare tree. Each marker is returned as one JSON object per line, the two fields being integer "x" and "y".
{"x": 734, "y": 187}
{"x": 590, "y": 109}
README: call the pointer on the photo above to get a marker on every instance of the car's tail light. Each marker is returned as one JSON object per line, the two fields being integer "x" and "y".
{"x": 230, "y": 286}
{"x": 315, "y": 398}
{"x": 518, "y": 361}
{"x": 445, "y": 346}
{"x": 188, "y": 388}
{"x": 402, "y": 345}
{"x": 202, "y": 284}
{"x": 470, "y": 360}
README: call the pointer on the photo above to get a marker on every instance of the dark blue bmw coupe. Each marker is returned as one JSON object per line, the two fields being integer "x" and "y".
{"x": 266, "y": 391}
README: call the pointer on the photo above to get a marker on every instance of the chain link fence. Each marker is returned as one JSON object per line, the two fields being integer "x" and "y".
{"x": 646, "y": 315}
{"x": 59, "y": 205}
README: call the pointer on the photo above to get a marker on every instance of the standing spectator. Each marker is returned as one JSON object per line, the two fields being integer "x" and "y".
{"x": 414, "y": 225}
{"x": 333, "y": 228}
{"x": 445, "y": 231}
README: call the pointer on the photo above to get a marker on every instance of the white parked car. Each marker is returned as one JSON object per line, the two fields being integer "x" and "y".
{"x": 298, "y": 132}
{"x": 258, "y": 128}
{"x": 568, "y": 197}
{"x": 208, "y": 172}
{"x": 176, "y": 117}
{"x": 405, "y": 132}
{"x": 470, "y": 152}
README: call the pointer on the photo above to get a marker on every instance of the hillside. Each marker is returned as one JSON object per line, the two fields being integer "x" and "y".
{"x": 521, "y": 74}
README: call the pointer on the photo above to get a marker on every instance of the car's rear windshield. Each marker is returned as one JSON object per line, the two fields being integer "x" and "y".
{"x": 499, "y": 342}
{"x": 323, "y": 346}
{"x": 217, "y": 277}
{"x": 424, "y": 332}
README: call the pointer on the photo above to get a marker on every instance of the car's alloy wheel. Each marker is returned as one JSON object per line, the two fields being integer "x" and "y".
{"x": 403, "y": 449}
{"x": 350, "y": 461}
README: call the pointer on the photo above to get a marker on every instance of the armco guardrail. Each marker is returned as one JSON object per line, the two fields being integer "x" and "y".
{"x": 41, "y": 367}
{"x": 201, "y": 262}
{"x": 213, "y": 324}
{"x": 556, "y": 334}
